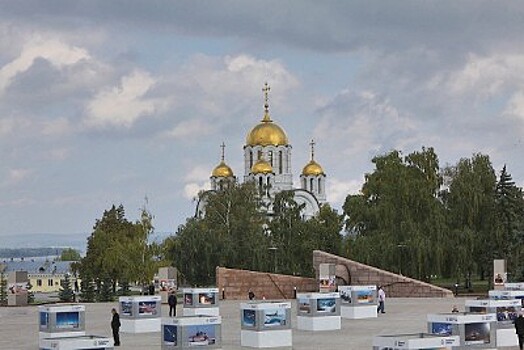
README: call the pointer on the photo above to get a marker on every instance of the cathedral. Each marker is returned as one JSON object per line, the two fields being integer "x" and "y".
{"x": 267, "y": 162}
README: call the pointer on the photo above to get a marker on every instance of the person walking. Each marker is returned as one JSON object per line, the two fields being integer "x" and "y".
{"x": 519, "y": 329}
{"x": 171, "y": 300}
{"x": 115, "y": 326}
{"x": 381, "y": 300}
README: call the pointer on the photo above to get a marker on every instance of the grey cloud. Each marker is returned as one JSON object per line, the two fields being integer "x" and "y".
{"x": 445, "y": 26}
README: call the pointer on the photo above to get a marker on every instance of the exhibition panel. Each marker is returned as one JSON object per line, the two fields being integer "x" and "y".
{"x": 417, "y": 341}
{"x": 318, "y": 311}
{"x": 200, "y": 301}
{"x": 475, "y": 330}
{"x": 61, "y": 320}
{"x": 190, "y": 331}
{"x": 358, "y": 301}
{"x": 266, "y": 324}
{"x": 140, "y": 314}
{"x": 88, "y": 342}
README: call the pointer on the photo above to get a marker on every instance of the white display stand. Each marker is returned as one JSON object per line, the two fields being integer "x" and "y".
{"x": 318, "y": 311}
{"x": 204, "y": 332}
{"x": 358, "y": 302}
{"x": 475, "y": 330}
{"x": 200, "y": 301}
{"x": 266, "y": 324}
{"x": 273, "y": 339}
{"x": 140, "y": 314}
{"x": 77, "y": 343}
{"x": 507, "y": 294}
{"x": 61, "y": 320}
{"x": 506, "y": 310}
{"x": 208, "y": 311}
{"x": 416, "y": 341}
{"x": 514, "y": 286}
{"x": 148, "y": 325}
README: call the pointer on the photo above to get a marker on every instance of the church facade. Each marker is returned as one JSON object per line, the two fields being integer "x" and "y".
{"x": 267, "y": 163}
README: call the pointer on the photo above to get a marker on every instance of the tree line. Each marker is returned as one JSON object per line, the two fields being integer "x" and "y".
{"x": 411, "y": 216}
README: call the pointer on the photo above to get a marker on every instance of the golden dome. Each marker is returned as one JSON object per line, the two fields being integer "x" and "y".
{"x": 266, "y": 133}
{"x": 222, "y": 170}
{"x": 312, "y": 169}
{"x": 261, "y": 167}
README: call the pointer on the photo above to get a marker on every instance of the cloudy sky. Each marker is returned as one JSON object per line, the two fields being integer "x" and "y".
{"x": 109, "y": 102}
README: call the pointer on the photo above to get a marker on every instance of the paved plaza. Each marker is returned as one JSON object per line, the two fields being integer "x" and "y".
{"x": 19, "y": 329}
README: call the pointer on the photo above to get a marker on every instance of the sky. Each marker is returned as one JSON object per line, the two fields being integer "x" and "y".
{"x": 127, "y": 102}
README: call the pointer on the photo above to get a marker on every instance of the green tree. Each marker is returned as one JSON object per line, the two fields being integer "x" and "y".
{"x": 3, "y": 288}
{"x": 230, "y": 233}
{"x": 118, "y": 250}
{"x": 69, "y": 254}
{"x": 509, "y": 230}
{"x": 470, "y": 204}
{"x": 397, "y": 222}
{"x": 66, "y": 292}
{"x": 87, "y": 290}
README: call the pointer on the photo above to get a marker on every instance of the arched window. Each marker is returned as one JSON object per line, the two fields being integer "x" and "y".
{"x": 311, "y": 185}
{"x": 250, "y": 159}
{"x": 280, "y": 162}
{"x": 260, "y": 184}
{"x": 270, "y": 156}
{"x": 319, "y": 186}
{"x": 267, "y": 188}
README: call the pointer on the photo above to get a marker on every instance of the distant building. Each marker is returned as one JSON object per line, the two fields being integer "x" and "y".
{"x": 44, "y": 276}
{"x": 267, "y": 163}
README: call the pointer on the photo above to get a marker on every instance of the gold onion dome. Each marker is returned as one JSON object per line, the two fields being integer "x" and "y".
{"x": 261, "y": 167}
{"x": 266, "y": 133}
{"x": 222, "y": 170}
{"x": 312, "y": 169}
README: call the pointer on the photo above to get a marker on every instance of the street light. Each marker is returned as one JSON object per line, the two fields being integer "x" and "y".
{"x": 274, "y": 249}
{"x": 400, "y": 246}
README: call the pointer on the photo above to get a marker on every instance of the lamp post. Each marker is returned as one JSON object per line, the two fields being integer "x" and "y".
{"x": 401, "y": 247}
{"x": 274, "y": 249}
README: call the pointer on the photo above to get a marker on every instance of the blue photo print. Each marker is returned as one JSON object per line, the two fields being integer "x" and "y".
{"x": 274, "y": 317}
{"x": 201, "y": 335}
{"x": 249, "y": 318}
{"x": 328, "y": 305}
{"x": 441, "y": 328}
{"x": 67, "y": 320}
{"x": 170, "y": 335}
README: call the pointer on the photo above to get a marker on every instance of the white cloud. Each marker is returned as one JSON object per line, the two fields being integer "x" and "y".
{"x": 358, "y": 123}
{"x": 123, "y": 105}
{"x": 189, "y": 128}
{"x": 337, "y": 190}
{"x": 56, "y": 127}
{"x": 515, "y": 106}
{"x": 54, "y": 51}
{"x": 221, "y": 87}
{"x": 482, "y": 76}
{"x": 192, "y": 189}
{"x": 16, "y": 176}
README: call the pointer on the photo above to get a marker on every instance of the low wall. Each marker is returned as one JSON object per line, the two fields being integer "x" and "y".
{"x": 394, "y": 285}
{"x": 235, "y": 284}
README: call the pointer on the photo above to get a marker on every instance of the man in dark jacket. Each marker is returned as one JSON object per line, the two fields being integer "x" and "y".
{"x": 519, "y": 328}
{"x": 115, "y": 326}
{"x": 171, "y": 300}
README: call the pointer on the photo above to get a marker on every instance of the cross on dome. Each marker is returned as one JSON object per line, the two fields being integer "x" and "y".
{"x": 266, "y": 90}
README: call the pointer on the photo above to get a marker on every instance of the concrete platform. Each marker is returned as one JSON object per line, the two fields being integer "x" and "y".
{"x": 19, "y": 326}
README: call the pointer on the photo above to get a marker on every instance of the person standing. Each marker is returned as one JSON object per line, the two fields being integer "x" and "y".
{"x": 519, "y": 329}
{"x": 115, "y": 326}
{"x": 381, "y": 300}
{"x": 171, "y": 301}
